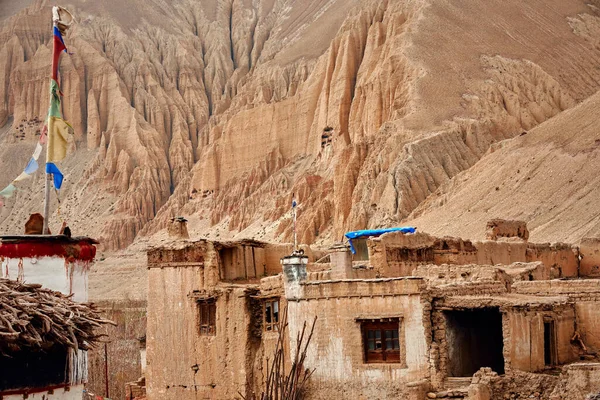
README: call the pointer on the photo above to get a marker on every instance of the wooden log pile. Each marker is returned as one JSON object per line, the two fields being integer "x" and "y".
{"x": 33, "y": 318}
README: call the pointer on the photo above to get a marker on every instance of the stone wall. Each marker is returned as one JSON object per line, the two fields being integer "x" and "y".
{"x": 577, "y": 381}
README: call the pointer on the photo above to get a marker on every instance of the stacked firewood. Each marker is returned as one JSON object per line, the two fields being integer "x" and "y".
{"x": 34, "y": 318}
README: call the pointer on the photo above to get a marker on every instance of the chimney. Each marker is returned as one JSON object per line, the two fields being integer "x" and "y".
{"x": 341, "y": 262}
{"x": 294, "y": 273}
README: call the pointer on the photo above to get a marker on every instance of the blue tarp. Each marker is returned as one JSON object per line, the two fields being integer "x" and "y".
{"x": 375, "y": 232}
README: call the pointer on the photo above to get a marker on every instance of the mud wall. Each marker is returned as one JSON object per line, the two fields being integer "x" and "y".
{"x": 182, "y": 363}
{"x": 589, "y": 249}
{"x": 525, "y": 338}
{"x": 585, "y": 294}
{"x": 396, "y": 254}
{"x": 122, "y": 349}
{"x": 336, "y": 351}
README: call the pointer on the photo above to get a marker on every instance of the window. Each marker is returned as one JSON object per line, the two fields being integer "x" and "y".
{"x": 271, "y": 315}
{"x": 208, "y": 316}
{"x": 381, "y": 341}
{"x": 362, "y": 251}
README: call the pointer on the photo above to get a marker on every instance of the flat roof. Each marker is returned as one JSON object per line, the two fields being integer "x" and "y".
{"x": 503, "y": 300}
{"x": 46, "y": 238}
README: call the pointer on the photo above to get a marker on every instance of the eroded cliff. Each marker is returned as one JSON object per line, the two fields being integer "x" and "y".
{"x": 221, "y": 111}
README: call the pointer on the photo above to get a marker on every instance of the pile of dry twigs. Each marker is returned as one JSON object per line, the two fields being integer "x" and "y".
{"x": 288, "y": 385}
{"x": 34, "y": 318}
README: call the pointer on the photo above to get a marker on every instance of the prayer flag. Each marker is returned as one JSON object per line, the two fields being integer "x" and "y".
{"x": 37, "y": 151}
{"x": 51, "y": 168}
{"x": 58, "y": 36}
{"x": 54, "y": 110}
{"x": 58, "y": 134}
{"x": 44, "y": 135}
{"x": 58, "y": 47}
{"x": 31, "y": 167}
{"x": 22, "y": 177}
{"x": 8, "y": 191}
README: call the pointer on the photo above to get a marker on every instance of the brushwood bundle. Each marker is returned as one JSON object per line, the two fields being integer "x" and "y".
{"x": 35, "y": 318}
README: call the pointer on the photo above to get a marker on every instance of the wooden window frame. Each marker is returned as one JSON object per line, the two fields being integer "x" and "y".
{"x": 270, "y": 317}
{"x": 207, "y": 317}
{"x": 382, "y": 341}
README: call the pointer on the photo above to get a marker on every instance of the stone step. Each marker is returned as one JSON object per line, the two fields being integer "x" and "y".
{"x": 456, "y": 383}
{"x": 461, "y": 393}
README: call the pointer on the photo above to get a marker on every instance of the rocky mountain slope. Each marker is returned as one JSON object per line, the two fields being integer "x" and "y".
{"x": 548, "y": 177}
{"x": 221, "y": 110}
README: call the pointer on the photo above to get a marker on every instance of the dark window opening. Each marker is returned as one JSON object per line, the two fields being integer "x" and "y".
{"x": 474, "y": 340}
{"x": 271, "y": 315}
{"x": 362, "y": 251}
{"x": 381, "y": 342}
{"x": 207, "y": 310}
{"x": 34, "y": 368}
{"x": 326, "y": 137}
{"x": 402, "y": 254}
{"x": 550, "y": 353}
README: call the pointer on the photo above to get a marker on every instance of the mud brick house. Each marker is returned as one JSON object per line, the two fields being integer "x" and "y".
{"x": 410, "y": 316}
{"x": 205, "y": 334}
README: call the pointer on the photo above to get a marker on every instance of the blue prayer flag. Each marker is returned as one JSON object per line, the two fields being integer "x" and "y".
{"x": 51, "y": 168}
{"x": 31, "y": 167}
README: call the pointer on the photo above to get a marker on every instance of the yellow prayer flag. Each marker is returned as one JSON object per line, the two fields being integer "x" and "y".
{"x": 58, "y": 134}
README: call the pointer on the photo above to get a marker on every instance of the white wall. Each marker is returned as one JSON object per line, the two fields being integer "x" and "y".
{"x": 51, "y": 272}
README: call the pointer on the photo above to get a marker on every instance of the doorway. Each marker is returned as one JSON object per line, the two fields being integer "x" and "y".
{"x": 474, "y": 340}
{"x": 550, "y": 353}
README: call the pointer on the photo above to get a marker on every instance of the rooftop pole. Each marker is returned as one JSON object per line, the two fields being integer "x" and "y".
{"x": 294, "y": 213}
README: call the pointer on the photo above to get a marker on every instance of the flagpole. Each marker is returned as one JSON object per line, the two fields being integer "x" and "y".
{"x": 294, "y": 213}
{"x": 57, "y": 48}
{"x": 46, "y": 230}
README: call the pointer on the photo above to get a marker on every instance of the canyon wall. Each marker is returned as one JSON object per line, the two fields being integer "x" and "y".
{"x": 222, "y": 111}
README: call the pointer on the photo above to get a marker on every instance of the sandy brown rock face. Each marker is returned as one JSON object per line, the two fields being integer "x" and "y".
{"x": 220, "y": 110}
{"x": 547, "y": 177}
